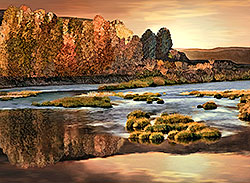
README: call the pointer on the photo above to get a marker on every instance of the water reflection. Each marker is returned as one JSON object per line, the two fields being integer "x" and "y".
{"x": 36, "y": 138}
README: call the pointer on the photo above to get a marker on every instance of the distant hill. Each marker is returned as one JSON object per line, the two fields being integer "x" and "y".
{"x": 239, "y": 55}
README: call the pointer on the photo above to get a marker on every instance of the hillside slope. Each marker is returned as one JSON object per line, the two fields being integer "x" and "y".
{"x": 240, "y": 55}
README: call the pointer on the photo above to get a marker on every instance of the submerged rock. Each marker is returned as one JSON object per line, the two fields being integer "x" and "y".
{"x": 209, "y": 105}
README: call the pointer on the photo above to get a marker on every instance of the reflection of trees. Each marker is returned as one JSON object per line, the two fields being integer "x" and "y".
{"x": 30, "y": 137}
{"x": 40, "y": 137}
{"x": 79, "y": 142}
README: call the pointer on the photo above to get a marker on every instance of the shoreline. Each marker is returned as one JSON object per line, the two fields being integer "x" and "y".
{"x": 8, "y": 83}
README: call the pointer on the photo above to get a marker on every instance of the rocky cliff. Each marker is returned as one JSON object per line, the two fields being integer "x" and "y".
{"x": 39, "y": 44}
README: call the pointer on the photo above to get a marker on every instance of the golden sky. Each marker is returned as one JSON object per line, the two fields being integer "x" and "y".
{"x": 192, "y": 23}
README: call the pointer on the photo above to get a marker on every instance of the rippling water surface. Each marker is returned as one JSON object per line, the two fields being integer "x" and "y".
{"x": 43, "y": 136}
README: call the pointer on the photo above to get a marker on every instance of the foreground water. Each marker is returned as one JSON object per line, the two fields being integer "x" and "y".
{"x": 113, "y": 120}
{"x": 55, "y": 137}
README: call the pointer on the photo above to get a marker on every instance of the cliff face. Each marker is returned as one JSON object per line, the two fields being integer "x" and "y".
{"x": 40, "y": 44}
{"x": 36, "y": 44}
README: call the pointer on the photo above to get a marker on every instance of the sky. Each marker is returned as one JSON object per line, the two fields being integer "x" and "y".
{"x": 192, "y": 23}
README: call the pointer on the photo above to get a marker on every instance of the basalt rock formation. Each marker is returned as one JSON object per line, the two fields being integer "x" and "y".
{"x": 36, "y": 44}
{"x": 148, "y": 40}
{"x": 164, "y": 44}
{"x": 40, "y": 44}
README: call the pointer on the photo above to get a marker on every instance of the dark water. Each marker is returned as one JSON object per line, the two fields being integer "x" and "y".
{"x": 89, "y": 144}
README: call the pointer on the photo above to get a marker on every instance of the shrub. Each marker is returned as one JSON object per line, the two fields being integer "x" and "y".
{"x": 129, "y": 124}
{"x": 209, "y": 105}
{"x": 149, "y": 128}
{"x": 194, "y": 127}
{"x": 35, "y": 104}
{"x": 173, "y": 118}
{"x": 164, "y": 114}
{"x": 194, "y": 93}
{"x": 138, "y": 114}
{"x": 3, "y": 93}
{"x": 155, "y": 98}
{"x": 243, "y": 99}
{"x": 179, "y": 126}
{"x": 141, "y": 123}
{"x": 140, "y": 98}
{"x": 156, "y": 138}
{"x": 85, "y": 101}
{"x": 150, "y": 94}
{"x": 46, "y": 103}
{"x": 163, "y": 128}
{"x": 144, "y": 136}
{"x": 171, "y": 135}
{"x": 160, "y": 101}
{"x": 6, "y": 98}
{"x": 210, "y": 134}
{"x": 199, "y": 95}
{"x": 149, "y": 101}
{"x": 138, "y": 83}
{"x": 218, "y": 96}
{"x": 233, "y": 97}
{"x": 134, "y": 135}
{"x": 187, "y": 136}
{"x": 159, "y": 81}
{"x": 129, "y": 96}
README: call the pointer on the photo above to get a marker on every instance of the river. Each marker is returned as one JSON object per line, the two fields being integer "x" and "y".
{"x": 54, "y": 137}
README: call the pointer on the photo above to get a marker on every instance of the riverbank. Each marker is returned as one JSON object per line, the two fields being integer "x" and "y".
{"x": 9, "y": 82}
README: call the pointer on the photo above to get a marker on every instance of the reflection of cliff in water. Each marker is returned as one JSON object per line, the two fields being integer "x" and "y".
{"x": 41, "y": 137}
{"x": 37, "y": 138}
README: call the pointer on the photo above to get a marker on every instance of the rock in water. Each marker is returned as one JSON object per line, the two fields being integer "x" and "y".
{"x": 164, "y": 43}
{"x": 148, "y": 40}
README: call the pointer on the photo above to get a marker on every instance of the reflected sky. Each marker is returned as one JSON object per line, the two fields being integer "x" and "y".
{"x": 138, "y": 168}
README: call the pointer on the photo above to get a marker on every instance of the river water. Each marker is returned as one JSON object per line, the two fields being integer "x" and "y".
{"x": 42, "y": 136}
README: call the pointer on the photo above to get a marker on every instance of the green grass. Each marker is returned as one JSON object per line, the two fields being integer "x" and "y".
{"x": 171, "y": 135}
{"x": 178, "y": 128}
{"x": 138, "y": 83}
{"x": 129, "y": 124}
{"x": 160, "y": 101}
{"x": 138, "y": 114}
{"x": 149, "y": 128}
{"x": 194, "y": 127}
{"x": 140, "y": 124}
{"x": 149, "y": 101}
{"x": 156, "y": 138}
{"x": 209, "y": 105}
{"x": 144, "y": 136}
{"x": 134, "y": 135}
{"x": 163, "y": 128}
{"x": 210, "y": 134}
{"x": 173, "y": 118}
{"x": 73, "y": 102}
{"x": 5, "y": 96}
{"x": 187, "y": 136}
